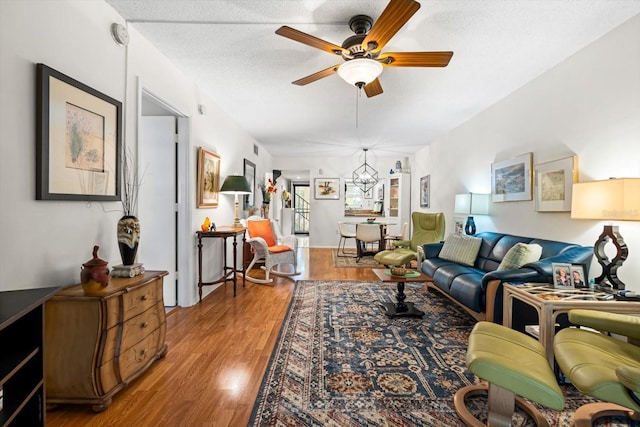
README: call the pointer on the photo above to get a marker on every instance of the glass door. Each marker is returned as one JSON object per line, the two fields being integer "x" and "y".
{"x": 301, "y": 208}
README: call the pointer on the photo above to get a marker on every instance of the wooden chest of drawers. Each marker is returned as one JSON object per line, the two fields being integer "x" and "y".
{"x": 97, "y": 345}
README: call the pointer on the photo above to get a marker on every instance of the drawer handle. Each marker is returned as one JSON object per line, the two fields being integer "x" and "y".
{"x": 144, "y": 325}
{"x": 143, "y": 352}
{"x": 144, "y": 297}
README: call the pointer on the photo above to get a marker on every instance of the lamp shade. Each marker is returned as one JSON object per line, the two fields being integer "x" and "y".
{"x": 472, "y": 204}
{"x": 235, "y": 184}
{"x": 360, "y": 71}
{"x": 463, "y": 204}
{"x": 615, "y": 199}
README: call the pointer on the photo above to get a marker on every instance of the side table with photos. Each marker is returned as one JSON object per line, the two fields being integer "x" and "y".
{"x": 550, "y": 303}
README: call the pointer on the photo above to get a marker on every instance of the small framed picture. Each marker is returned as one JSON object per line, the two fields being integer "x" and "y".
{"x": 578, "y": 278}
{"x": 425, "y": 191}
{"x": 327, "y": 188}
{"x": 458, "y": 225}
{"x": 562, "y": 276}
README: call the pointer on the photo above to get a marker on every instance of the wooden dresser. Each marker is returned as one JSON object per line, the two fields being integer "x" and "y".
{"x": 96, "y": 345}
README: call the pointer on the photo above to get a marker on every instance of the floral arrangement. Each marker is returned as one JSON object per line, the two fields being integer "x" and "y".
{"x": 267, "y": 189}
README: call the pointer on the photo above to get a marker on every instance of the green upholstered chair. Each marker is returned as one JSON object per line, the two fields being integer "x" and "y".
{"x": 427, "y": 228}
{"x": 601, "y": 366}
{"x": 514, "y": 365}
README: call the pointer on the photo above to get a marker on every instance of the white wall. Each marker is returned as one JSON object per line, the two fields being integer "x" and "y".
{"x": 44, "y": 243}
{"x": 589, "y": 105}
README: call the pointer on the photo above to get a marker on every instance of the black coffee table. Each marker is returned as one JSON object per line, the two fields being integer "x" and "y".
{"x": 401, "y": 308}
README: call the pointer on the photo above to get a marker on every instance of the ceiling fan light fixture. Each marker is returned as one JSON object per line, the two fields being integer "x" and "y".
{"x": 360, "y": 71}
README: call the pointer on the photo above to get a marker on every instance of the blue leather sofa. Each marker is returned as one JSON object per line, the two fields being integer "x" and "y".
{"x": 478, "y": 289}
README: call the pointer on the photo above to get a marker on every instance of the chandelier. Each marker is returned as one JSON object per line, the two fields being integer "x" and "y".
{"x": 365, "y": 177}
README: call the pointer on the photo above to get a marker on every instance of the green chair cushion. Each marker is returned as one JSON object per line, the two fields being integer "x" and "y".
{"x": 400, "y": 256}
{"x": 590, "y": 359}
{"x": 514, "y": 361}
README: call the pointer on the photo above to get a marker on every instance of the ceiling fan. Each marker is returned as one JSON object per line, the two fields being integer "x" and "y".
{"x": 362, "y": 54}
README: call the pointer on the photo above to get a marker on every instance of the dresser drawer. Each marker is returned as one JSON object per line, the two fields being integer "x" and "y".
{"x": 137, "y": 328}
{"x": 140, "y": 299}
{"x": 137, "y": 356}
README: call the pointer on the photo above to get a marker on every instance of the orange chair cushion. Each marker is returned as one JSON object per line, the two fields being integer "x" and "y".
{"x": 279, "y": 249}
{"x": 262, "y": 229}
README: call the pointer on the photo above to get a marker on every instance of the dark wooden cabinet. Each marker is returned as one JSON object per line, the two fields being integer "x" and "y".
{"x": 22, "y": 392}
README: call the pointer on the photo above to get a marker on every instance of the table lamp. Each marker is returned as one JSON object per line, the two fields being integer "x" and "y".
{"x": 236, "y": 184}
{"x": 615, "y": 199}
{"x": 471, "y": 204}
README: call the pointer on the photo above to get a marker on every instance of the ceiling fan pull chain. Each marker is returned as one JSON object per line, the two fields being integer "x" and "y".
{"x": 358, "y": 94}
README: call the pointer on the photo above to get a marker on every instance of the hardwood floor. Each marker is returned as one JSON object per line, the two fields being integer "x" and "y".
{"x": 218, "y": 353}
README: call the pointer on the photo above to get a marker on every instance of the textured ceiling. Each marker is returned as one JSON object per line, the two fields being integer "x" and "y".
{"x": 230, "y": 49}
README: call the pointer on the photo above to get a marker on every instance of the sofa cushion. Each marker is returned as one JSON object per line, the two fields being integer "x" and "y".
{"x": 461, "y": 249}
{"x": 519, "y": 255}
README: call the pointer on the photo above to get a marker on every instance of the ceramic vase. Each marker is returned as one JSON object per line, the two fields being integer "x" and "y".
{"x": 265, "y": 210}
{"x": 128, "y": 238}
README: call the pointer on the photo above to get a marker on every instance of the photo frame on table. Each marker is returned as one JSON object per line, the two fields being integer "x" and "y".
{"x": 208, "y": 178}
{"x": 78, "y": 140}
{"x": 249, "y": 172}
{"x": 326, "y": 188}
{"x": 562, "y": 275}
{"x": 511, "y": 179}
{"x": 579, "y": 280}
{"x": 458, "y": 225}
{"x": 553, "y": 184}
{"x": 425, "y": 189}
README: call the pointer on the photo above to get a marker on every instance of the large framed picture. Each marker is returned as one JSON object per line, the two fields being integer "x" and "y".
{"x": 327, "y": 188}
{"x": 424, "y": 191}
{"x": 250, "y": 175}
{"x": 78, "y": 140}
{"x": 511, "y": 179}
{"x": 208, "y": 178}
{"x": 553, "y": 184}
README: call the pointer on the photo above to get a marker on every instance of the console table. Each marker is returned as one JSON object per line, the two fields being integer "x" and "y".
{"x": 222, "y": 233}
{"x": 550, "y": 303}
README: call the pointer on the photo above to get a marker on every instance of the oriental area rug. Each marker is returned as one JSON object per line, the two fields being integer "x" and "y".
{"x": 350, "y": 261}
{"x": 340, "y": 361}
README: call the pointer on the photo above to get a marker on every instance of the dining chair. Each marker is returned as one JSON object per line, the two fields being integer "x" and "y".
{"x": 367, "y": 235}
{"x": 345, "y": 233}
{"x": 390, "y": 238}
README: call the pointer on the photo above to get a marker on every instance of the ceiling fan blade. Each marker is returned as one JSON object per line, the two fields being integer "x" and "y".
{"x": 415, "y": 59}
{"x": 393, "y": 17}
{"x": 309, "y": 40}
{"x": 374, "y": 88}
{"x": 316, "y": 76}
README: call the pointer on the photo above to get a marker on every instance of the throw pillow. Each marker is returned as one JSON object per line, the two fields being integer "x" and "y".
{"x": 519, "y": 255}
{"x": 461, "y": 249}
{"x": 262, "y": 228}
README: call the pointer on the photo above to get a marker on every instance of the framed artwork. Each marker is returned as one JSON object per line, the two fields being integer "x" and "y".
{"x": 458, "y": 225}
{"x": 424, "y": 191}
{"x": 208, "y": 178}
{"x": 78, "y": 140}
{"x": 511, "y": 179}
{"x": 327, "y": 188}
{"x": 561, "y": 275}
{"x": 553, "y": 184}
{"x": 250, "y": 174}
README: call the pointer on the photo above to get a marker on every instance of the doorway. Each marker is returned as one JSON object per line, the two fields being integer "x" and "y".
{"x": 160, "y": 129}
{"x": 301, "y": 208}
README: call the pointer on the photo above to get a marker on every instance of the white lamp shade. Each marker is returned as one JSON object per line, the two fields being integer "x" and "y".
{"x": 472, "y": 204}
{"x": 616, "y": 199}
{"x": 360, "y": 70}
{"x": 463, "y": 204}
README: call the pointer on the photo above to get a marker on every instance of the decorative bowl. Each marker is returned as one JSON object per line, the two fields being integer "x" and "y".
{"x": 371, "y": 220}
{"x": 398, "y": 271}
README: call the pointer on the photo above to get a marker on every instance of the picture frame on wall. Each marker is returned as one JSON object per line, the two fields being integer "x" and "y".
{"x": 208, "y": 178}
{"x": 78, "y": 140}
{"x": 511, "y": 180}
{"x": 249, "y": 172}
{"x": 425, "y": 191}
{"x": 458, "y": 225}
{"x": 553, "y": 184}
{"x": 326, "y": 188}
